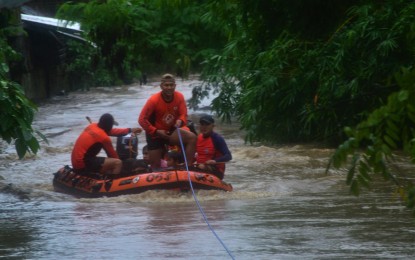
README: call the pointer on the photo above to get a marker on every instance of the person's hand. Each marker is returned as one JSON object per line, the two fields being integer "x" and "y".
{"x": 210, "y": 162}
{"x": 136, "y": 130}
{"x": 178, "y": 123}
{"x": 201, "y": 166}
{"x": 163, "y": 134}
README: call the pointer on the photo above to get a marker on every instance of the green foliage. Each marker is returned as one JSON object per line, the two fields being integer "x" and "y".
{"x": 139, "y": 36}
{"x": 288, "y": 77}
{"x": 292, "y": 77}
{"x": 371, "y": 144}
{"x": 117, "y": 29}
{"x": 84, "y": 67}
{"x": 16, "y": 110}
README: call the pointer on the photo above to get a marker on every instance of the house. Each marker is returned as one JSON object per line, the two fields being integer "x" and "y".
{"x": 43, "y": 47}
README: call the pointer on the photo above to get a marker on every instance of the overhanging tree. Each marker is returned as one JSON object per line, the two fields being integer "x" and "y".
{"x": 17, "y": 111}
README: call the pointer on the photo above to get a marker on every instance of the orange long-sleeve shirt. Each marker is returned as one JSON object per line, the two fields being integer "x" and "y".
{"x": 159, "y": 114}
{"x": 90, "y": 143}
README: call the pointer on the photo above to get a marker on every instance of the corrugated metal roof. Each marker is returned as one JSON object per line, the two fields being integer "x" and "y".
{"x": 52, "y": 22}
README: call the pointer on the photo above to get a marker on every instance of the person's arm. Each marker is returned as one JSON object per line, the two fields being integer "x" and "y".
{"x": 119, "y": 131}
{"x": 124, "y": 131}
{"x": 109, "y": 149}
{"x": 222, "y": 147}
{"x": 182, "y": 113}
{"x": 144, "y": 118}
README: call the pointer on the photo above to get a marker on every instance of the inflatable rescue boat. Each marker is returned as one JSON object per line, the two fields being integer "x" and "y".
{"x": 95, "y": 185}
{"x": 131, "y": 181}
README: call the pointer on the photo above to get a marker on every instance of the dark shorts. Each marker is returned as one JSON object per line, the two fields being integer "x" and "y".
{"x": 92, "y": 165}
{"x": 155, "y": 143}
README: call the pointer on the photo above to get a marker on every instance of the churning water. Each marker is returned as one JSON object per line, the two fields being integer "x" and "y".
{"x": 283, "y": 205}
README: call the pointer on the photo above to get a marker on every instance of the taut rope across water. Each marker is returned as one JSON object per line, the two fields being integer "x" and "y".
{"x": 197, "y": 201}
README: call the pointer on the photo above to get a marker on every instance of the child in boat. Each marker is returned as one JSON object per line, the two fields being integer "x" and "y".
{"x": 174, "y": 159}
{"x": 146, "y": 158}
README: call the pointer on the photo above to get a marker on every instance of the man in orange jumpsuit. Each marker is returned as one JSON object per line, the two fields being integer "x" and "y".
{"x": 94, "y": 138}
{"x": 160, "y": 117}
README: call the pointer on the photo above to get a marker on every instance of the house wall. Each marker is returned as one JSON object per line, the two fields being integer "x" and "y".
{"x": 41, "y": 73}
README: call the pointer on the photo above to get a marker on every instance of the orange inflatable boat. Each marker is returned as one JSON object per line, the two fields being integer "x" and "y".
{"x": 94, "y": 185}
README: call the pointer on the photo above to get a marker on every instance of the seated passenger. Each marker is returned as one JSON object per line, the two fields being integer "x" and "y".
{"x": 211, "y": 149}
{"x": 146, "y": 158}
{"x": 174, "y": 159}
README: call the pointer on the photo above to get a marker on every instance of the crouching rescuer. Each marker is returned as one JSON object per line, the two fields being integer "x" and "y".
{"x": 94, "y": 138}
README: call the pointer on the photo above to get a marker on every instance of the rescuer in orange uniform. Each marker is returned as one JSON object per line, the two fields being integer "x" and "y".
{"x": 96, "y": 136}
{"x": 160, "y": 117}
{"x": 211, "y": 149}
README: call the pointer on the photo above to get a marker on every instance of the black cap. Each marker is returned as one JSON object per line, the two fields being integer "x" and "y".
{"x": 106, "y": 122}
{"x": 207, "y": 119}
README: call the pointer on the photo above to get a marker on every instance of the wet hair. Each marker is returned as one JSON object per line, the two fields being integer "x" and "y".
{"x": 176, "y": 156}
{"x": 106, "y": 122}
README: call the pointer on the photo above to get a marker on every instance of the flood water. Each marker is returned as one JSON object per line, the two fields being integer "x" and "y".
{"x": 283, "y": 205}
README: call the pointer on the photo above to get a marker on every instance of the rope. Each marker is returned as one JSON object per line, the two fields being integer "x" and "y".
{"x": 197, "y": 201}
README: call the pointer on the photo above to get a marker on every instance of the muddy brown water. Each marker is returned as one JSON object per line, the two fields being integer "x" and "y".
{"x": 283, "y": 205}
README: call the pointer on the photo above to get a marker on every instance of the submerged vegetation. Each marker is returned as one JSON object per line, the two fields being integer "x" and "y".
{"x": 337, "y": 72}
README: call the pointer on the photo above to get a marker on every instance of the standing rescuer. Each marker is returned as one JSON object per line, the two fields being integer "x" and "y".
{"x": 160, "y": 117}
{"x": 211, "y": 148}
